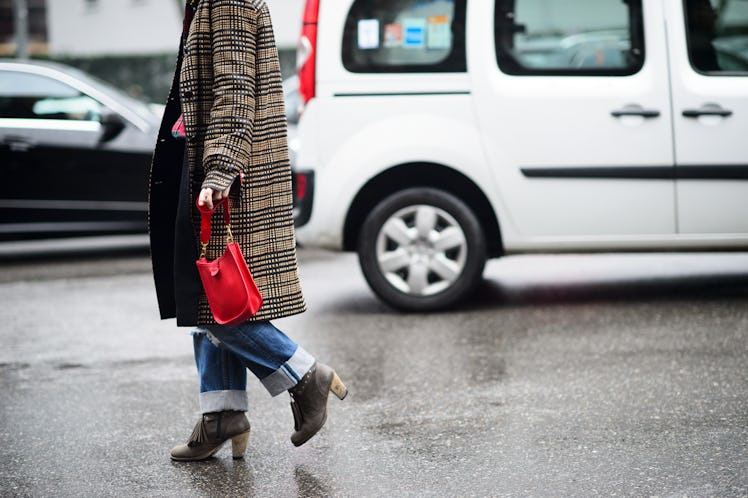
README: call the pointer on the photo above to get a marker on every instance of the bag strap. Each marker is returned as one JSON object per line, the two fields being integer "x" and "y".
{"x": 205, "y": 218}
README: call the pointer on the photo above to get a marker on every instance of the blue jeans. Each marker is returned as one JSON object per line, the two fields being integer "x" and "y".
{"x": 223, "y": 355}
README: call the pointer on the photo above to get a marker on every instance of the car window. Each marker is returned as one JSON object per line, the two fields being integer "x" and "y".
{"x": 573, "y": 37}
{"x": 32, "y": 96}
{"x": 140, "y": 107}
{"x": 717, "y": 35}
{"x": 405, "y": 36}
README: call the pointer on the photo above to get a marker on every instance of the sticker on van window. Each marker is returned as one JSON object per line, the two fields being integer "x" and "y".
{"x": 439, "y": 35}
{"x": 414, "y": 32}
{"x": 368, "y": 34}
{"x": 393, "y": 35}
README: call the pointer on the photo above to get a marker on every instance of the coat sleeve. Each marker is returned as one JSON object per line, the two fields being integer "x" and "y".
{"x": 228, "y": 138}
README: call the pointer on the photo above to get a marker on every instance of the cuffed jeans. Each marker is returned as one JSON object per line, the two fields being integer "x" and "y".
{"x": 223, "y": 355}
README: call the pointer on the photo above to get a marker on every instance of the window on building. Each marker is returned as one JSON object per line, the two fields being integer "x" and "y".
{"x": 573, "y": 37}
{"x": 717, "y": 35}
{"x": 7, "y": 28}
{"x": 31, "y": 96}
{"x": 37, "y": 19}
{"x": 405, "y": 36}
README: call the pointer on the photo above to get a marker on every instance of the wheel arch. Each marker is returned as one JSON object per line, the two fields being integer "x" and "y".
{"x": 433, "y": 175}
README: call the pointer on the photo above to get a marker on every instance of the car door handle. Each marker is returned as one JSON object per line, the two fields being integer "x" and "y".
{"x": 18, "y": 144}
{"x": 707, "y": 110}
{"x": 635, "y": 110}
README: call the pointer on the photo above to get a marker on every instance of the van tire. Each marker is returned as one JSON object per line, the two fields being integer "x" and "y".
{"x": 422, "y": 268}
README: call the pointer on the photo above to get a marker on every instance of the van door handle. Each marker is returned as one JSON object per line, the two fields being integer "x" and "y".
{"x": 636, "y": 110}
{"x": 707, "y": 110}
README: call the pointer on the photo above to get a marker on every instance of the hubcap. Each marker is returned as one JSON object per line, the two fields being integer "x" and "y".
{"x": 421, "y": 250}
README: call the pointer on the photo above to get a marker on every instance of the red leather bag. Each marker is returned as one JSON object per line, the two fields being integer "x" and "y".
{"x": 232, "y": 294}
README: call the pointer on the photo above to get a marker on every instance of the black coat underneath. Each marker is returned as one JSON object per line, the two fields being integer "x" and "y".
{"x": 173, "y": 240}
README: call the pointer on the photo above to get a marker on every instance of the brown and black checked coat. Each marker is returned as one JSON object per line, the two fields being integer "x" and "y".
{"x": 231, "y": 95}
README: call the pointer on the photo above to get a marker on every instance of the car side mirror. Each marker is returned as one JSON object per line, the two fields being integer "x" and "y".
{"x": 112, "y": 125}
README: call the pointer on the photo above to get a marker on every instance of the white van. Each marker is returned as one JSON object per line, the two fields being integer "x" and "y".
{"x": 439, "y": 133}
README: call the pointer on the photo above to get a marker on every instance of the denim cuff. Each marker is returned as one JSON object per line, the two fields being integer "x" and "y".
{"x": 218, "y": 401}
{"x": 290, "y": 373}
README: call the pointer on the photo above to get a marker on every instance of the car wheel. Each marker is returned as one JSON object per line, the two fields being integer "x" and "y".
{"x": 422, "y": 249}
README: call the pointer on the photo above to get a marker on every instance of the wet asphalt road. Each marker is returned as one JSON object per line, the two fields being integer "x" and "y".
{"x": 567, "y": 376}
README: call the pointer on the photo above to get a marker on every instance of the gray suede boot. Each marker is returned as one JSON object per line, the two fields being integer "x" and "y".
{"x": 309, "y": 401}
{"x": 211, "y": 431}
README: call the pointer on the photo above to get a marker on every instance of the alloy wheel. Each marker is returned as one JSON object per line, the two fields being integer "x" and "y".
{"x": 421, "y": 250}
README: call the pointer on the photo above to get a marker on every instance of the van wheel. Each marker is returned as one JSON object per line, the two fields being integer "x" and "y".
{"x": 422, "y": 249}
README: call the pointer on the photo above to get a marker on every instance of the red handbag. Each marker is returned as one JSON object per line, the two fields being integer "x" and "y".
{"x": 232, "y": 294}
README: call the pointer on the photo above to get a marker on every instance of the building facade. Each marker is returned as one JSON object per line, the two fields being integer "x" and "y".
{"x": 92, "y": 28}
{"x": 130, "y": 43}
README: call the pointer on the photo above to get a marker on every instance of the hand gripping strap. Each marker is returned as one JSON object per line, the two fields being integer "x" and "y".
{"x": 205, "y": 217}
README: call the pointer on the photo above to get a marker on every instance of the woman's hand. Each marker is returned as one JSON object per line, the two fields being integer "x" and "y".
{"x": 208, "y": 195}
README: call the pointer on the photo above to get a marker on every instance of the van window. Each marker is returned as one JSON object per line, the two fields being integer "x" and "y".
{"x": 385, "y": 36}
{"x": 717, "y": 35}
{"x": 573, "y": 37}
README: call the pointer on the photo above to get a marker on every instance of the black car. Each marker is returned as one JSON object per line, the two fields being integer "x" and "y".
{"x": 74, "y": 153}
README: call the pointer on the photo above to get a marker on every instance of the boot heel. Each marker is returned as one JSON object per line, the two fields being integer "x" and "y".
{"x": 337, "y": 387}
{"x": 239, "y": 445}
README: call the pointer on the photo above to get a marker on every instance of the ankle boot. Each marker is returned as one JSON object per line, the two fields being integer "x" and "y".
{"x": 309, "y": 401}
{"x": 211, "y": 431}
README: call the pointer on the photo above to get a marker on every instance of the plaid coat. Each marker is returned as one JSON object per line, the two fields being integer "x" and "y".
{"x": 230, "y": 88}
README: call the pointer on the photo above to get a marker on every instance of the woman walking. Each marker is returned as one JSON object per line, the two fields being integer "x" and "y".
{"x": 224, "y": 135}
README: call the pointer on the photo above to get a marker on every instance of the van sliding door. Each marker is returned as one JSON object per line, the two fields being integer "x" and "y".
{"x": 709, "y": 57}
{"x": 576, "y": 117}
